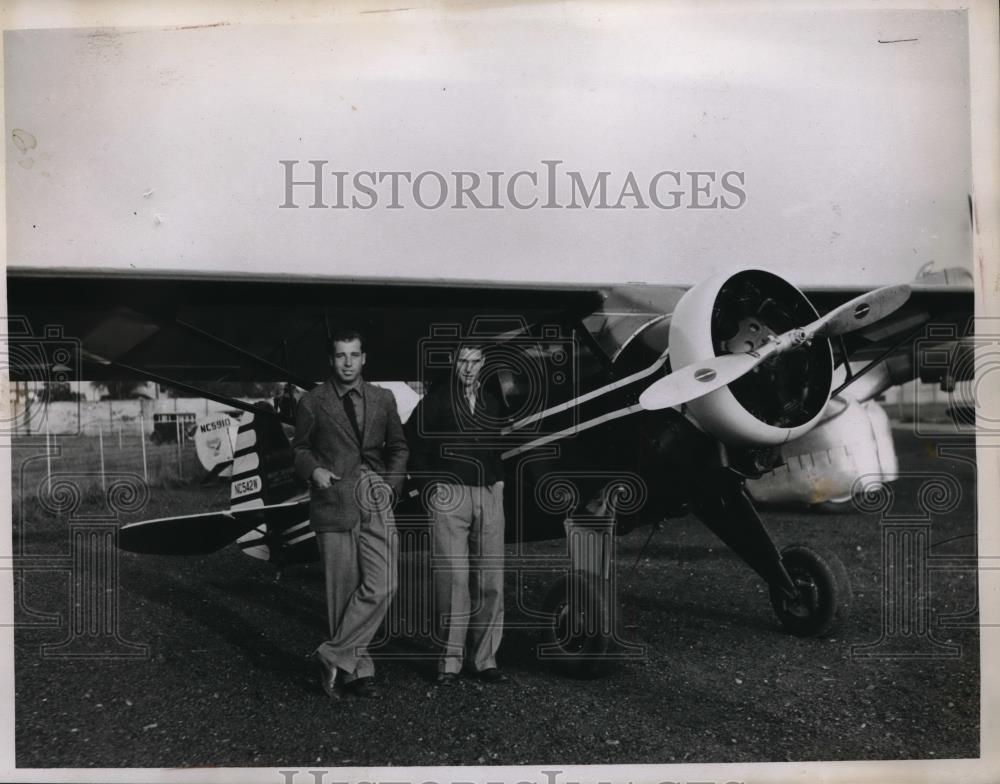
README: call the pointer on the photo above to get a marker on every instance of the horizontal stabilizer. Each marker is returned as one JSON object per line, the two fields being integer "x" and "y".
{"x": 204, "y": 533}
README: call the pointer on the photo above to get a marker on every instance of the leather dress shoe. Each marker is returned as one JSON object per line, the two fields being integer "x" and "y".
{"x": 446, "y": 679}
{"x": 362, "y": 687}
{"x": 491, "y": 675}
{"x": 330, "y": 680}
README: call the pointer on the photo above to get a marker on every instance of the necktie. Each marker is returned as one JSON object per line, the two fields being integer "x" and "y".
{"x": 352, "y": 415}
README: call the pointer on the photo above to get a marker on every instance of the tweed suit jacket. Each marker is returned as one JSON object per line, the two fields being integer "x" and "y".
{"x": 324, "y": 437}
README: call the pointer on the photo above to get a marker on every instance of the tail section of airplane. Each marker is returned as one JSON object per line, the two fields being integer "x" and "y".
{"x": 264, "y": 478}
{"x": 269, "y": 512}
{"x": 263, "y": 471}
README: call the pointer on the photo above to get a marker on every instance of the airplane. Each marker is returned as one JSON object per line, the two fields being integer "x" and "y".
{"x": 628, "y": 406}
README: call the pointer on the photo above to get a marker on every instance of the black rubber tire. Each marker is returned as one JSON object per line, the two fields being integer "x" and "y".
{"x": 825, "y": 594}
{"x": 581, "y": 648}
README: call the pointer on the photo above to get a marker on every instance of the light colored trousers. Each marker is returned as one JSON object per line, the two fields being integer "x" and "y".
{"x": 467, "y": 532}
{"x": 360, "y": 570}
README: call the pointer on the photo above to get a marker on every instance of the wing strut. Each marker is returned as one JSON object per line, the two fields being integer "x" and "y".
{"x": 852, "y": 377}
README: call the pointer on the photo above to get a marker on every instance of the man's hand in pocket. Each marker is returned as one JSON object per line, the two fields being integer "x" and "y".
{"x": 323, "y": 478}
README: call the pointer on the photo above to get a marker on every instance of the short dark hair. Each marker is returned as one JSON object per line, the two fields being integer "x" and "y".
{"x": 346, "y": 336}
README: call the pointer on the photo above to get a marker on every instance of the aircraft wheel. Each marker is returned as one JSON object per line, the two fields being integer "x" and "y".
{"x": 824, "y": 593}
{"x": 578, "y": 636}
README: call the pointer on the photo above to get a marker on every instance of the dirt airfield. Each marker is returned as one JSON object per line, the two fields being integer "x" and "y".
{"x": 222, "y": 676}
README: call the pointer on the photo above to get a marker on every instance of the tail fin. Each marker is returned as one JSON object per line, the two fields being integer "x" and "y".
{"x": 262, "y": 504}
{"x": 263, "y": 475}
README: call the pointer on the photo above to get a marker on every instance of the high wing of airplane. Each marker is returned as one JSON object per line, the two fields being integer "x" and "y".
{"x": 626, "y": 406}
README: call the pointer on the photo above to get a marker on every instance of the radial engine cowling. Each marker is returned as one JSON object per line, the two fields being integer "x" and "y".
{"x": 780, "y": 399}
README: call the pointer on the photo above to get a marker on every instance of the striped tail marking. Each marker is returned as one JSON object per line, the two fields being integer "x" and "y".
{"x": 246, "y": 491}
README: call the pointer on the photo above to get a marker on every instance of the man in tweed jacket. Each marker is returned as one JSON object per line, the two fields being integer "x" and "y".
{"x": 349, "y": 445}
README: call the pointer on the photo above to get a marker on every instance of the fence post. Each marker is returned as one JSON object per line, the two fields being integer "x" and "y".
{"x": 100, "y": 438}
{"x": 180, "y": 467}
{"x": 142, "y": 440}
{"x": 48, "y": 456}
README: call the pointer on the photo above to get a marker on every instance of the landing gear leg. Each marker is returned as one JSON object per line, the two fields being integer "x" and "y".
{"x": 810, "y": 591}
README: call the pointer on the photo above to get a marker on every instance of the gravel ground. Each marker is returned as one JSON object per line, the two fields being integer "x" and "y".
{"x": 226, "y": 680}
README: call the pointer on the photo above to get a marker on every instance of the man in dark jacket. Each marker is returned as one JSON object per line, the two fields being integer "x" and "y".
{"x": 349, "y": 445}
{"x": 453, "y": 434}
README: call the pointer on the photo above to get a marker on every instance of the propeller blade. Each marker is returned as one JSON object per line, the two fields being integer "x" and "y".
{"x": 693, "y": 381}
{"x": 698, "y": 379}
{"x": 860, "y": 312}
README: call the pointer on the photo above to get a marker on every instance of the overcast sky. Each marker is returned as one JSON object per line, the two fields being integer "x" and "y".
{"x": 159, "y": 149}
